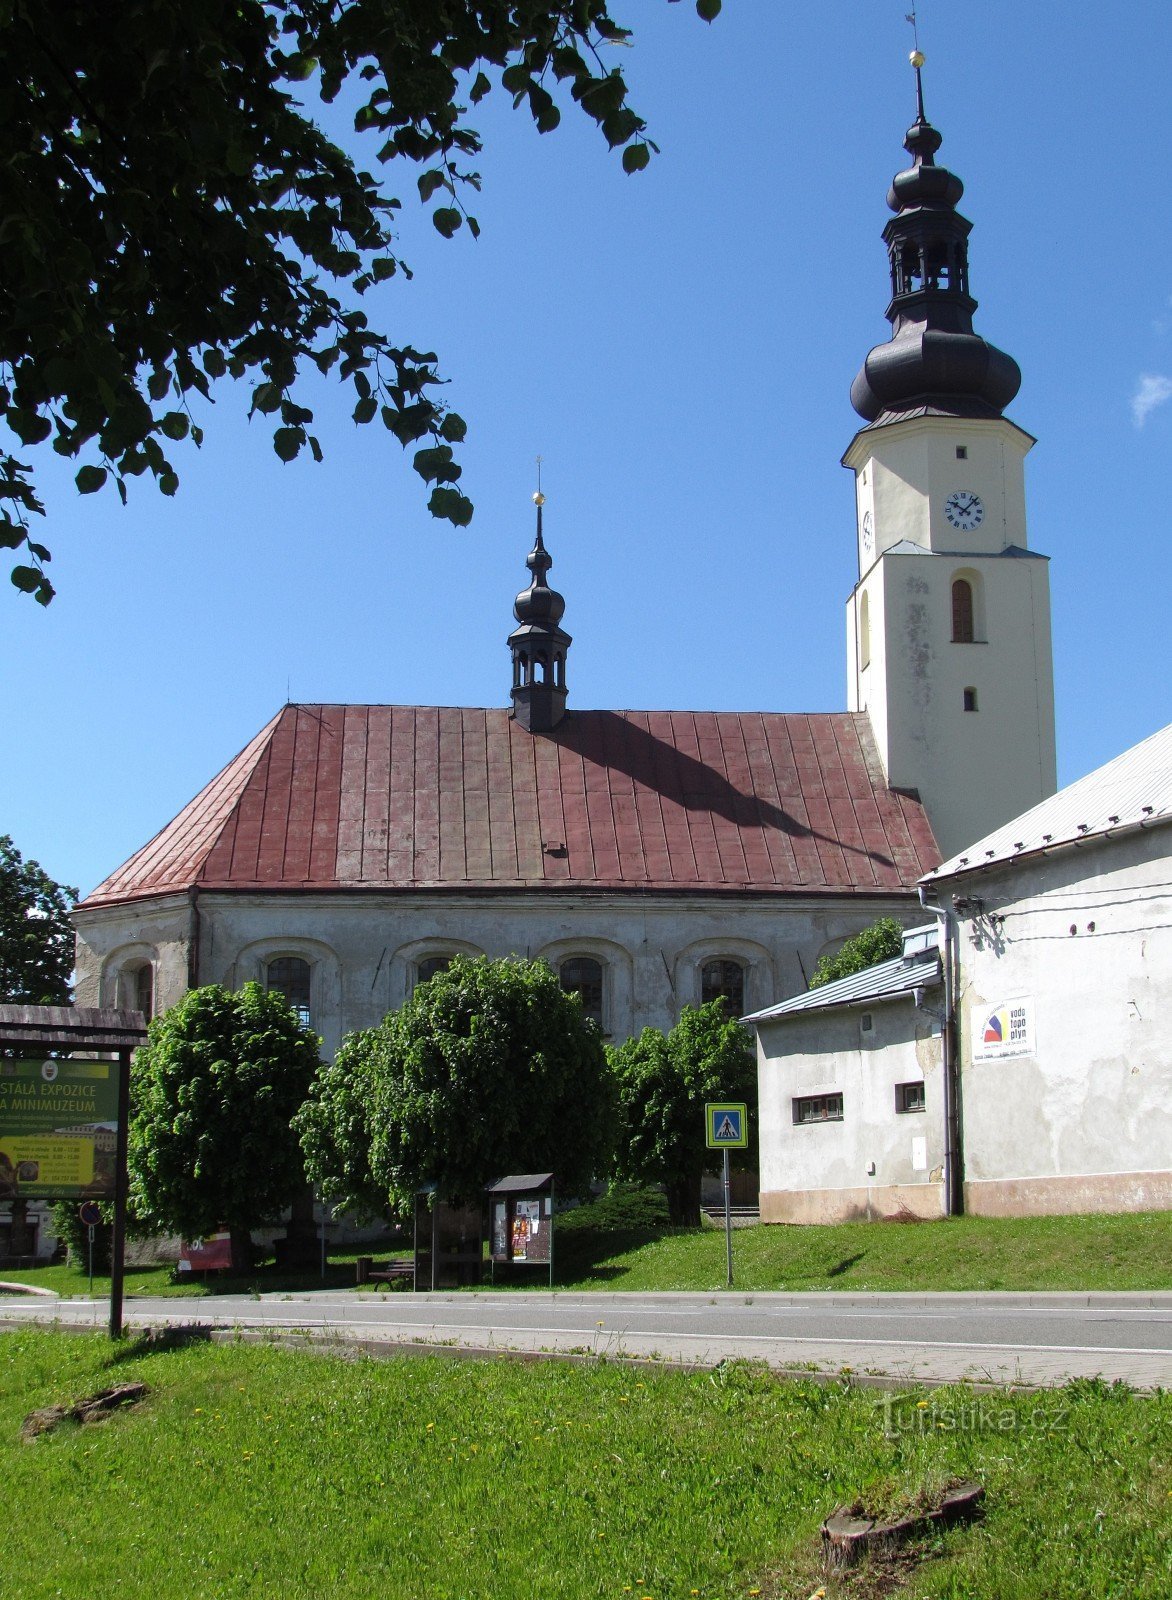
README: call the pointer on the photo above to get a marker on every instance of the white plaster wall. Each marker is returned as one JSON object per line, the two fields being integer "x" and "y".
{"x": 819, "y": 1171}
{"x": 1085, "y": 1122}
{"x": 118, "y": 939}
{"x": 363, "y": 950}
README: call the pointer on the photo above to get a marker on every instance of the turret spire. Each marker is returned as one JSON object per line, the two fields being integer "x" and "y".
{"x": 538, "y": 643}
{"x": 933, "y": 362}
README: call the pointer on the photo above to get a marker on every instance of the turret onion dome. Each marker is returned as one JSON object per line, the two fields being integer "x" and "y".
{"x": 933, "y": 361}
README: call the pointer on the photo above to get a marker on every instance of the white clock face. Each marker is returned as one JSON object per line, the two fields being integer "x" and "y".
{"x": 868, "y": 530}
{"x": 964, "y": 510}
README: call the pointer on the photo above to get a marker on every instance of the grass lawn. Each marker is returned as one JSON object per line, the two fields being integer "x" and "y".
{"x": 618, "y": 1243}
{"x": 608, "y": 1246}
{"x": 251, "y": 1470}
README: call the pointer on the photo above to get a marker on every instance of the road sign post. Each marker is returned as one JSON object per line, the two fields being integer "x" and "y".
{"x": 726, "y": 1127}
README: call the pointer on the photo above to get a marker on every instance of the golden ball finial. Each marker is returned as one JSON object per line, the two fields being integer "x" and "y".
{"x": 539, "y": 498}
{"x": 917, "y": 59}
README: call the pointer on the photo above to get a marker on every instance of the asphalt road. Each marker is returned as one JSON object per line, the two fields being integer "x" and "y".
{"x": 1040, "y": 1339}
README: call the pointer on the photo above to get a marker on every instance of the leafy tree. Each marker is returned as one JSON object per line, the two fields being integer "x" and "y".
{"x": 664, "y": 1081}
{"x": 171, "y": 214}
{"x": 882, "y": 941}
{"x": 36, "y": 936}
{"x": 489, "y": 1068}
{"x": 213, "y": 1095}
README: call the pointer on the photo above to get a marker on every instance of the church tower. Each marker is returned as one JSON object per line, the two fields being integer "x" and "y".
{"x": 538, "y": 644}
{"x": 948, "y": 626}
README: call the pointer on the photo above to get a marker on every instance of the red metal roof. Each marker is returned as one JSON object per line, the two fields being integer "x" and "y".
{"x": 448, "y": 797}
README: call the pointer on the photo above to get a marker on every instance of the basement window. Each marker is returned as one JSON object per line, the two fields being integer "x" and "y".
{"x": 970, "y": 699}
{"x": 910, "y": 1097}
{"x": 817, "y": 1108}
{"x": 962, "y": 452}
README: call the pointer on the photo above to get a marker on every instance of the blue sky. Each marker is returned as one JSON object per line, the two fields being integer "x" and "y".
{"x": 679, "y": 346}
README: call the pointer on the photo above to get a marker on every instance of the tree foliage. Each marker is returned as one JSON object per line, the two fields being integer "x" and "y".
{"x": 36, "y": 936}
{"x": 882, "y": 941}
{"x": 213, "y": 1095}
{"x": 663, "y": 1082}
{"x": 488, "y": 1068}
{"x": 170, "y": 214}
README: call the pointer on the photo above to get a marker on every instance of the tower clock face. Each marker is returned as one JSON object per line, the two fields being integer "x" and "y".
{"x": 868, "y": 530}
{"x": 964, "y": 510}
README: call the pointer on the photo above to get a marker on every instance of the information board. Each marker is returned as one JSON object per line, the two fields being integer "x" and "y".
{"x": 58, "y": 1129}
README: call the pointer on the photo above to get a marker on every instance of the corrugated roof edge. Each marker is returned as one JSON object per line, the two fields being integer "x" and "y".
{"x": 890, "y": 980}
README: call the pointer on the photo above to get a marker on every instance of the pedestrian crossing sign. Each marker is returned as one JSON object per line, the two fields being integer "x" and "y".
{"x": 726, "y": 1126}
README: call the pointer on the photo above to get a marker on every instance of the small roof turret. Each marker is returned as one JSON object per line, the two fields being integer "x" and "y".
{"x": 538, "y": 644}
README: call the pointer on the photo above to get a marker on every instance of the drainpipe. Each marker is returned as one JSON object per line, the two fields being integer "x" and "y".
{"x": 953, "y": 1175}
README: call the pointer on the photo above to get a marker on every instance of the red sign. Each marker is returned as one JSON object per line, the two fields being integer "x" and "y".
{"x": 212, "y": 1254}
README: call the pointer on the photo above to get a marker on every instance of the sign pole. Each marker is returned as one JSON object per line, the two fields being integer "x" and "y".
{"x": 121, "y": 1184}
{"x": 90, "y": 1231}
{"x": 727, "y": 1218}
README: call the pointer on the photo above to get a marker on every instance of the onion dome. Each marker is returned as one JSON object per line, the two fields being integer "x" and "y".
{"x": 933, "y": 362}
{"x": 538, "y": 644}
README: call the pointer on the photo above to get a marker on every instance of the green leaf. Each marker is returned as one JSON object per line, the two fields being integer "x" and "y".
{"x": 451, "y": 505}
{"x": 158, "y": 384}
{"x": 213, "y": 364}
{"x": 11, "y": 534}
{"x": 175, "y": 425}
{"x": 453, "y": 428}
{"x": 516, "y": 79}
{"x": 708, "y": 10}
{"x": 90, "y": 479}
{"x": 365, "y": 409}
{"x": 433, "y": 463}
{"x": 429, "y": 182}
{"x": 287, "y": 442}
{"x": 168, "y": 483}
{"x": 447, "y": 219}
{"x": 27, "y": 579}
{"x": 479, "y": 89}
{"x": 266, "y": 397}
{"x": 635, "y": 157}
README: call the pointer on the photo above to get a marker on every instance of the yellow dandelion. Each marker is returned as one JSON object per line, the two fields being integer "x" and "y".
{"x": 198, "y": 1412}
{"x": 431, "y": 1427}
{"x": 921, "y": 1405}
{"x": 624, "y": 1399}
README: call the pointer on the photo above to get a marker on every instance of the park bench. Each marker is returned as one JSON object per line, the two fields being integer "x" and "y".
{"x": 397, "y": 1267}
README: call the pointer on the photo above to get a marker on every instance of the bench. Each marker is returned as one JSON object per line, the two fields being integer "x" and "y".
{"x": 398, "y": 1267}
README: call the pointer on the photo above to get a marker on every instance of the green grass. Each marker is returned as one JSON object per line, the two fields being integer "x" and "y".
{"x": 622, "y": 1243}
{"x": 1132, "y": 1251}
{"x": 256, "y": 1471}
{"x": 265, "y": 1278}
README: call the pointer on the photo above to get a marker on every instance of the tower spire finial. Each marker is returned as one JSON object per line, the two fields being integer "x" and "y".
{"x": 539, "y": 643}
{"x": 917, "y": 59}
{"x": 539, "y": 501}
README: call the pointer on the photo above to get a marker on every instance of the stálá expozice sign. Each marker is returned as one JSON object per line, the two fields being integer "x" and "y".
{"x": 58, "y": 1129}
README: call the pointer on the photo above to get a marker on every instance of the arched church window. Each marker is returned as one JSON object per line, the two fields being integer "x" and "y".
{"x": 723, "y": 979}
{"x": 962, "y": 611}
{"x": 430, "y": 966}
{"x": 582, "y": 975}
{"x": 144, "y": 991}
{"x": 289, "y": 976}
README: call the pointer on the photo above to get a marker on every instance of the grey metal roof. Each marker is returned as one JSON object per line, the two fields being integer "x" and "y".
{"x": 1134, "y": 790}
{"x": 521, "y": 1183}
{"x": 887, "y": 981}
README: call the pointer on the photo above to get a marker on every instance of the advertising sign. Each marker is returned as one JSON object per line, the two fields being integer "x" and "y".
{"x": 58, "y": 1129}
{"x": 1003, "y": 1030}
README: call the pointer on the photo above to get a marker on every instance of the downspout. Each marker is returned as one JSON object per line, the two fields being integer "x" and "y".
{"x": 953, "y": 1175}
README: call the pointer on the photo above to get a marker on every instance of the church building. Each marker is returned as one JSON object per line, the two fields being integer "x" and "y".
{"x": 654, "y": 858}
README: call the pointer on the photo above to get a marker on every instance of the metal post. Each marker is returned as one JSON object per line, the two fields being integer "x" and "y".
{"x": 121, "y": 1186}
{"x": 727, "y": 1217}
{"x": 90, "y": 1231}
{"x": 323, "y": 1241}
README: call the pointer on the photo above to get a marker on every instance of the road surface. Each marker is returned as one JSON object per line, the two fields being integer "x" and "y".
{"x": 1034, "y": 1339}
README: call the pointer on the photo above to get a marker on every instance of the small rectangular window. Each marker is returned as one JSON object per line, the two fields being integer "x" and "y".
{"x": 962, "y": 452}
{"x": 970, "y": 699}
{"x": 910, "y": 1097}
{"x": 867, "y": 1022}
{"x": 818, "y": 1108}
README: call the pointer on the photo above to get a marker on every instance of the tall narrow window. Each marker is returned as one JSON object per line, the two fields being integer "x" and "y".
{"x": 289, "y": 976}
{"x": 723, "y": 980}
{"x": 144, "y": 991}
{"x": 582, "y": 975}
{"x": 865, "y": 631}
{"x": 962, "y": 611}
{"x": 970, "y": 699}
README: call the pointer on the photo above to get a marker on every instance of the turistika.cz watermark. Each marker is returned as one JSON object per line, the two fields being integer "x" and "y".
{"x": 903, "y": 1414}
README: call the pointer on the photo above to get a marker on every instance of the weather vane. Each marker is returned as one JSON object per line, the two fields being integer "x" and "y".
{"x": 539, "y": 498}
{"x": 917, "y": 55}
